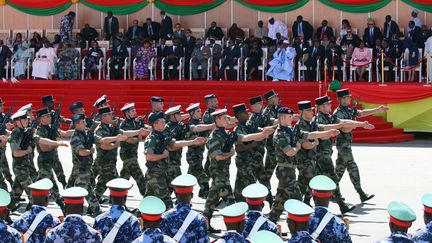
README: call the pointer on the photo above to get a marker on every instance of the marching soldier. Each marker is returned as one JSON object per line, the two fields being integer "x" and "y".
{"x": 7, "y": 233}
{"x": 401, "y": 218}
{"x": 20, "y": 143}
{"x": 297, "y": 220}
{"x": 287, "y": 145}
{"x": 157, "y": 103}
{"x": 100, "y": 102}
{"x": 129, "y": 148}
{"x": 48, "y": 102}
{"x": 323, "y": 225}
{"x": 151, "y": 209}
{"x": 270, "y": 113}
{"x": 425, "y": 235}
{"x": 81, "y": 143}
{"x": 28, "y": 108}
{"x": 212, "y": 104}
{"x": 34, "y": 223}
{"x": 182, "y": 223}
{"x": 5, "y": 173}
{"x": 117, "y": 224}
{"x": 220, "y": 150}
{"x": 234, "y": 221}
{"x": 255, "y": 195}
{"x": 3, "y": 140}
{"x": 345, "y": 159}
{"x": 156, "y": 148}
{"x": 74, "y": 228}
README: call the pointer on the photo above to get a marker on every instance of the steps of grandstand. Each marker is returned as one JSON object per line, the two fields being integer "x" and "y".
{"x": 180, "y": 93}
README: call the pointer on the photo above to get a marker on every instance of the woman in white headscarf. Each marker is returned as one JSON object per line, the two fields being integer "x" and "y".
{"x": 20, "y": 58}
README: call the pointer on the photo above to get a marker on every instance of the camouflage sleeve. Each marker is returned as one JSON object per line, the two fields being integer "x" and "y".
{"x": 214, "y": 146}
{"x": 149, "y": 145}
{"x": 41, "y": 132}
{"x": 76, "y": 144}
{"x": 282, "y": 142}
{"x": 14, "y": 142}
{"x": 99, "y": 134}
{"x": 338, "y": 114}
{"x": 241, "y": 132}
{"x": 36, "y": 138}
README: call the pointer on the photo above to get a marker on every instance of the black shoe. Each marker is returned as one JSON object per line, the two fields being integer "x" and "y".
{"x": 270, "y": 199}
{"x": 213, "y": 230}
{"x": 203, "y": 192}
{"x": 364, "y": 196}
{"x": 103, "y": 200}
{"x": 307, "y": 200}
{"x": 345, "y": 208}
{"x": 22, "y": 199}
{"x": 14, "y": 207}
{"x": 8, "y": 220}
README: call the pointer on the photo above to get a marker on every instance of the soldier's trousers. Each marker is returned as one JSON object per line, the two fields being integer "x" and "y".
{"x": 132, "y": 169}
{"x": 106, "y": 171}
{"x": 287, "y": 189}
{"x": 245, "y": 177}
{"x": 32, "y": 167}
{"x": 196, "y": 169}
{"x": 173, "y": 171}
{"x": 345, "y": 161}
{"x": 307, "y": 170}
{"x": 21, "y": 168}
{"x": 73, "y": 175}
{"x": 259, "y": 170}
{"x": 2, "y": 173}
{"x": 157, "y": 185}
{"x": 270, "y": 162}
{"x": 83, "y": 179}
{"x": 58, "y": 169}
{"x": 45, "y": 165}
{"x": 220, "y": 188}
{"x": 4, "y": 165}
{"x": 326, "y": 167}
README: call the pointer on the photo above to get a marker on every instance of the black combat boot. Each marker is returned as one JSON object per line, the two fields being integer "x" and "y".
{"x": 345, "y": 207}
{"x": 364, "y": 196}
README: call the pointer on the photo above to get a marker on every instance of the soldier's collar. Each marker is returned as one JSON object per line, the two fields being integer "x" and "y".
{"x": 220, "y": 128}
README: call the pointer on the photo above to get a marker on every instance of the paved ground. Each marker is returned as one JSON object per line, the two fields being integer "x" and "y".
{"x": 392, "y": 172}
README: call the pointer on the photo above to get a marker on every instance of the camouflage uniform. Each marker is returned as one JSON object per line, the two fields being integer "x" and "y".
{"x": 334, "y": 231}
{"x": 74, "y": 229}
{"x": 207, "y": 119}
{"x": 153, "y": 235}
{"x": 106, "y": 160}
{"x": 129, "y": 231}
{"x": 156, "y": 175}
{"x": 195, "y": 156}
{"x": 285, "y": 170}
{"x": 251, "y": 218}
{"x": 129, "y": 156}
{"x": 219, "y": 172}
{"x": 23, "y": 223}
{"x": 83, "y": 177}
{"x": 57, "y": 165}
{"x": 173, "y": 220}
{"x": 5, "y": 172}
{"x": 345, "y": 159}
{"x": 306, "y": 161}
{"x": 424, "y": 234}
{"x": 325, "y": 164}
{"x": 270, "y": 112}
{"x": 9, "y": 234}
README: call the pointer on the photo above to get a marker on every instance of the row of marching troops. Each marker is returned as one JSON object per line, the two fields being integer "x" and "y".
{"x": 267, "y": 132}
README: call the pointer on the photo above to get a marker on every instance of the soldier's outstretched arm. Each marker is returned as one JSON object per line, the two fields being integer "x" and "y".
{"x": 186, "y": 143}
{"x": 66, "y": 134}
{"x": 369, "y": 112}
{"x": 49, "y": 142}
{"x": 133, "y": 133}
{"x": 108, "y": 140}
{"x": 203, "y": 127}
{"x": 323, "y": 134}
{"x": 267, "y": 131}
{"x": 225, "y": 156}
{"x": 21, "y": 153}
{"x": 86, "y": 152}
{"x": 155, "y": 157}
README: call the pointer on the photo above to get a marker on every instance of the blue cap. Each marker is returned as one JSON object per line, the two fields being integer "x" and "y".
{"x": 154, "y": 116}
{"x": 78, "y": 117}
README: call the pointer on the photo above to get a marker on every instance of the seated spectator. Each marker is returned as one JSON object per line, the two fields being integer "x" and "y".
{"x": 199, "y": 57}
{"x": 397, "y": 44}
{"x": 80, "y": 42}
{"x": 135, "y": 31}
{"x": 17, "y": 42}
{"x": 162, "y": 48}
{"x": 411, "y": 57}
{"x": 135, "y": 45}
{"x": 94, "y": 54}
{"x": 20, "y": 58}
{"x": 344, "y": 30}
{"x": 244, "y": 48}
{"x": 279, "y": 38}
{"x": 118, "y": 56}
{"x": 371, "y": 34}
{"x": 143, "y": 58}
{"x": 377, "y": 48}
{"x": 151, "y": 29}
{"x": 67, "y": 67}
{"x": 338, "y": 59}
{"x": 276, "y": 26}
{"x": 361, "y": 57}
{"x": 325, "y": 41}
{"x": 261, "y": 31}
{"x": 300, "y": 46}
{"x": 229, "y": 58}
{"x": 216, "y": 50}
{"x": 44, "y": 64}
{"x": 57, "y": 44}
{"x": 415, "y": 33}
{"x": 426, "y": 33}
{"x": 271, "y": 48}
{"x": 324, "y": 30}
{"x": 315, "y": 53}
{"x": 179, "y": 33}
{"x": 5, "y": 55}
{"x": 350, "y": 41}
{"x": 282, "y": 65}
{"x": 301, "y": 27}
{"x": 172, "y": 56}
{"x": 255, "y": 59}
{"x": 235, "y": 32}
{"x": 36, "y": 41}
{"x": 89, "y": 33}
{"x": 390, "y": 27}
{"x": 390, "y": 56}
{"x": 215, "y": 31}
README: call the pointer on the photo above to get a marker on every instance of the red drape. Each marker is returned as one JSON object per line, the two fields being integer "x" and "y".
{"x": 270, "y": 3}
{"x": 422, "y": 1}
{"x": 114, "y": 2}
{"x": 187, "y": 2}
{"x": 388, "y": 94}
{"x": 355, "y": 2}
{"x": 39, "y": 3}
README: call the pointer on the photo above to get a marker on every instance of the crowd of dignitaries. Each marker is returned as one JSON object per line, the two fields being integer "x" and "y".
{"x": 262, "y": 143}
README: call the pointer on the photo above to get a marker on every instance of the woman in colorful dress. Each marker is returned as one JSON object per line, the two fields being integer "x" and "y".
{"x": 143, "y": 58}
{"x": 67, "y": 67}
{"x": 92, "y": 61}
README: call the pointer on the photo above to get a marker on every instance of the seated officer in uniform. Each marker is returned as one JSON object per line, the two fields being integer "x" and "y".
{"x": 401, "y": 218}
{"x": 7, "y": 233}
{"x": 151, "y": 209}
{"x": 323, "y": 225}
{"x": 183, "y": 223}
{"x": 34, "y": 223}
{"x": 234, "y": 221}
{"x": 117, "y": 224}
{"x": 255, "y": 195}
{"x": 425, "y": 234}
{"x": 298, "y": 218}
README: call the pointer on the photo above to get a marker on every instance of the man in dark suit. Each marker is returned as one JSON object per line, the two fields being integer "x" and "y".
{"x": 390, "y": 27}
{"x": 179, "y": 33}
{"x": 371, "y": 34}
{"x": 302, "y": 27}
{"x": 118, "y": 56}
{"x": 135, "y": 31}
{"x": 300, "y": 46}
{"x": 5, "y": 55}
{"x": 151, "y": 29}
{"x": 162, "y": 48}
{"x": 89, "y": 33}
{"x": 230, "y": 55}
{"x": 111, "y": 26}
{"x": 415, "y": 33}
{"x": 338, "y": 61}
{"x": 324, "y": 30}
{"x": 188, "y": 43}
{"x": 166, "y": 26}
{"x": 172, "y": 57}
{"x": 215, "y": 31}
{"x": 389, "y": 58}
{"x": 315, "y": 53}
